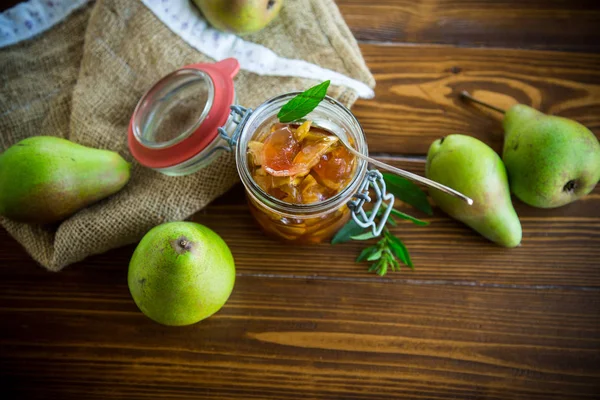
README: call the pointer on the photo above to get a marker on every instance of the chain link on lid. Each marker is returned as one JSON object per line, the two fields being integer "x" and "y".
{"x": 180, "y": 115}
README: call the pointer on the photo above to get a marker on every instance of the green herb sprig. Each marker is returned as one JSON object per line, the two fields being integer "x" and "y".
{"x": 302, "y": 104}
{"x": 389, "y": 251}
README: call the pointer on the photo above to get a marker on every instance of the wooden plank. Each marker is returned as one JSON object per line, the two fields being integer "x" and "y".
{"x": 534, "y": 24}
{"x": 416, "y": 98}
{"x": 561, "y": 248}
{"x": 65, "y": 337}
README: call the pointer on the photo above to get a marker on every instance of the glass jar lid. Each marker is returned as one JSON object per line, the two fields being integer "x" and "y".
{"x": 180, "y": 115}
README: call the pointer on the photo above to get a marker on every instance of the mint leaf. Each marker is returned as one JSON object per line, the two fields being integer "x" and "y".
{"x": 366, "y": 253}
{"x": 374, "y": 266}
{"x": 375, "y": 256}
{"x": 364, "y": 236}
{"x": 383, "y": 267}
{"x": 416, "y": 221}
{"x": 346, "y": 232}
{"x": 302, "y": 104}
{"x": 399, "y": 249}
{"x": 408, "y": 192}
{"x": 395, "y": 265}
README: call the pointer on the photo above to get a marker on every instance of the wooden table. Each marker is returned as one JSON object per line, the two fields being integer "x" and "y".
{"x": 474, "y": 321}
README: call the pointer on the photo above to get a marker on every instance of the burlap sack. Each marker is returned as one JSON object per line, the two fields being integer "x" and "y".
{"x": 82, "y": 79}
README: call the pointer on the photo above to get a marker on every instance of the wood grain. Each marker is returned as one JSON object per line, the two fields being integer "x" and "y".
{"x": 416, "y": 98}
{"x": 533, "y": 24}
{"x": 276, "y": 338}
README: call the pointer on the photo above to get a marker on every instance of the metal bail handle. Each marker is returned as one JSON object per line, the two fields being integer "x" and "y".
{"x": 375, "y": 180}
{"x": 240, "y": 116}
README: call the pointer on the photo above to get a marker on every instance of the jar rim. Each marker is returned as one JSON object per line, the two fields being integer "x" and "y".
{"x": 168, "y": 82}
{"x": 291, "y": 209}
{"x": 219, "y": 79}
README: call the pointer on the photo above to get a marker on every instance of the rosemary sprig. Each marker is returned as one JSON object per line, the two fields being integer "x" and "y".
{"x": 389, "y": 252}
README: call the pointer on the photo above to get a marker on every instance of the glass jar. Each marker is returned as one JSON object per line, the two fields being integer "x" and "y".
{"x": 182, "y": 123}
{"x": 301, "y": 223}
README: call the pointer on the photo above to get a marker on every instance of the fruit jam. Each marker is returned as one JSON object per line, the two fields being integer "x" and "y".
{"x": 300, "y": 165}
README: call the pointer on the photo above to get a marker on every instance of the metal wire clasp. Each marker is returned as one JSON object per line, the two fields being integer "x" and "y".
{"x": 375, "y": 180}
{"x": 239, "y": 116}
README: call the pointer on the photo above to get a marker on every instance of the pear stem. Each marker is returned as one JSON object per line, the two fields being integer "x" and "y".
{"x": 466, "y": 95}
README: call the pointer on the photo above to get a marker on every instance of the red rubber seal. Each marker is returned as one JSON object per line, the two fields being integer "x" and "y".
{"x": 221, "y": 74}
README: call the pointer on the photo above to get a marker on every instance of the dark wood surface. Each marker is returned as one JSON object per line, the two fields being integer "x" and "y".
{"x": 473, "y": 321}
{"x": 570, "y": 25}
{"x": 416, "y": 97}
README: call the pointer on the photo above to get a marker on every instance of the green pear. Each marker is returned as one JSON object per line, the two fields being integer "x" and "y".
{"x": 470, "y": 166}
{"x": 551, "y": 161}
{"x": 181, "y": 273}
{"x": 46, "y": 179}
{"x": 239, "y": 16}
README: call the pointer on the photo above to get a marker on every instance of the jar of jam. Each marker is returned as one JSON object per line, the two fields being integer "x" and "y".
{"x": 299, "y": 178}
{"x": 302, "y": 183}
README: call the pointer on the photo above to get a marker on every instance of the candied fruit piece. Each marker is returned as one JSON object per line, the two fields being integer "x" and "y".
{"x": 313, "y": 135}
{"x": 328, "y": 230}
{"x": 311, "y": 191}
{"x": 297, "y": 179}
{"x": 291, "y": 193}
{"x": 322, "y": 224}
{"x": 279, "y": 151}
{"x": 310, "y": 222}
{"x": 281, "y": 181}
{"x": 302, "y": 131}
{"x": 255, "y": 149}
{"x": 263, "y": 181}
{"x": 293, "y": 231}
{"x": 277, "y": 126}
{"x": 304, "y": 160}
{"x": 277, "y": 193}
{"x": 310, "y": 155}
{"x": 335, "y": 168}
{"x": 260, "y": 172}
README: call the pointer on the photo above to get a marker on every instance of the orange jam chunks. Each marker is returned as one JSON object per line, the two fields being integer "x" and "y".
{"x": 310, "y": 155}
{"x": 335, "y": 168}
{"x": 300, "y": 164}
{"x": 312, "y": 192}
{"x": 279, "y": 150}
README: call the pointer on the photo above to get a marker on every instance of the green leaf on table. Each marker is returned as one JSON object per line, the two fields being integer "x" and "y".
{"x": 402, "y": 215}
{"x": 374, "y": 266}
{"x": 408, "y": 192}
{"x": 375, "y": 256}
{"x": 346, "y": 232}
{"x": 395, "y": 265}
{"x": 366, "y": 253}
{"x": 302, "y": 104}
{"x": 380, "y": 213}
{"x": 391, "y": 221}
{"x": 364, "y": 236}
{"x": 399, "y": 249}
{"x": 383, "y": 267}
